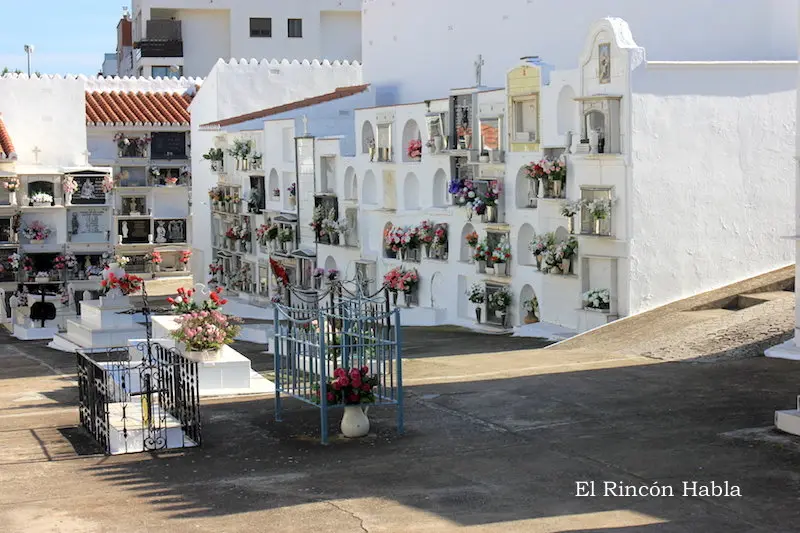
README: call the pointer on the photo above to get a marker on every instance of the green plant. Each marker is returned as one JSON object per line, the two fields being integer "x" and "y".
{"x": 214, "y": 154}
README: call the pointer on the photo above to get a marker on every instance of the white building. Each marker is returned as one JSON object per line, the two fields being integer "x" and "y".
{"x": 110, "y": 67}
{"x": 190, "y": 36}
{"x": 75, "y": 142}
{"x": 237, "y": 88}
{"x": 693, "y": 156}
{"x": 416, "y": 48}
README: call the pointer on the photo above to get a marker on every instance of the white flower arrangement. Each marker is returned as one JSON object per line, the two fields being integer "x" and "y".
{"x": 476, "y": 294}
{"x": 155, "y": 172}
{"x": 500, "y": 300}
{"x": 502, "y": 254}
{"x": 13, "y": 261}
{"x": 599, "y": 208}
{"x": 597, "y": 299}
{"x": 570, "y": 208}
{"x": 121, "y": 260}
{"x": 42, "y": 198}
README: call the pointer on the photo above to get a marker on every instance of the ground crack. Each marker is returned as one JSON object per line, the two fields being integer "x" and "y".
{"x": 342, "y": 509}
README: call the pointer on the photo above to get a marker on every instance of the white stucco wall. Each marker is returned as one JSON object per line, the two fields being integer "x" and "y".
{"x": 206, "y": 38}
{"x": 443, "y": 38}
{"x": 48, "y": 113}
{"x": 713, "y": 177}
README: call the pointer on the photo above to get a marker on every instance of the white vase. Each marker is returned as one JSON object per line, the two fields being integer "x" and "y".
{"x": 571, "y": 225}
{"x": 597, "y": 226}
{"x": 203, "y": 356}
{"x": 355, "y": 423}
{"x": 115, "y": 299}
{"x": 68, "y": 197}
{"x": 12, "y": 198}
{"x": 565, "y": 264}
{"x": 438, "y": 143}
{"x": 557, "y": 188}
{"x": 481, "y": 267}
{"x": 501, "y": 269}
{"x": 542, "y": 187}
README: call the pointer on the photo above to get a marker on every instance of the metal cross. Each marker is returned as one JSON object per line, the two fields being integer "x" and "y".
{"x": 305, "y": 125}
{"x": 36, "y": 151}
{"x": 478, "y": 68}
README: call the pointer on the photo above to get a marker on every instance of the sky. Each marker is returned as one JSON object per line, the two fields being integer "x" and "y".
{"x": 69, "y": 37}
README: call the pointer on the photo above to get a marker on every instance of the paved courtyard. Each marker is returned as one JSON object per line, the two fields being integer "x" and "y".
{"x": 498, "y": 434}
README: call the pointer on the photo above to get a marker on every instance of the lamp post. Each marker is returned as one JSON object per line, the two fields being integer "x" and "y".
{"x": 29, "y": 50}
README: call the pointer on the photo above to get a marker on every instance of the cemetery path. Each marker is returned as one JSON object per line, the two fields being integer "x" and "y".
{"x": 498, "y": 434}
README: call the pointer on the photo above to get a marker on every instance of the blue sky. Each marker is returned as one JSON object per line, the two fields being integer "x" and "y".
{"x": 70, "y": 37}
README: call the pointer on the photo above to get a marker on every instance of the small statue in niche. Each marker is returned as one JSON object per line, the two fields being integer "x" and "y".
{"x": 594, "y": 140}
{"x": 125, "y": 229}
{"x": 76, "y": 225}
{"x": 161, "y": 233}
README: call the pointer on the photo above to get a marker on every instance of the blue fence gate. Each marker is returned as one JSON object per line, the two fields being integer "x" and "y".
{"x": 314, "y": 336}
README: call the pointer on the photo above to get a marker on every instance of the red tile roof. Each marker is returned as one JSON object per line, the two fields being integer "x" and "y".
{"x": 137, "y": 108}
{"x": 7, "y": 150}
{"x": 340, "y": 92}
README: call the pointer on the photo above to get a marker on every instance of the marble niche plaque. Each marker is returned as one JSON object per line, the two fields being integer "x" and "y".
{"x": 172, "y": 230}
{"x": 5, "y": 230}
{"x": 87, "y": 225}
{"x": 90, "y": 191}
{"x": 134, "y": 231}
{"x": 134, "y": 205}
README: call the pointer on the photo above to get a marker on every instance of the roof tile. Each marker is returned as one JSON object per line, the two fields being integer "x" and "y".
{"x": 7, "y": 150}
{"x": 150, "y": 108}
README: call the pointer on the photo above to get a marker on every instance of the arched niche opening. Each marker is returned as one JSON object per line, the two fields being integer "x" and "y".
{"x": 524, "y": 190}
{"x": 526, "y": 295}
{"x": 524, "y": 238}
{"x": 440, "y": 189}
{"x": 594, "y": 121}
{"x": 367, "y": 136}
{"x": 369, "y": 189}
{"x": 350, "y": 184}
{"x": 274, "y": 185}
{"x": 567, "y": 110}
{"x": 330, "y": 263}
{"x": 411, "y": 133}
{"x": 438, "y": 290}
{"x": 411, "y": 193}
{"x": 561, "y": 234}
{"x": 465, "y": 250}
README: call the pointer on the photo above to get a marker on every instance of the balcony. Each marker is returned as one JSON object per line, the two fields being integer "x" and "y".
{"x": 164, "y": 39}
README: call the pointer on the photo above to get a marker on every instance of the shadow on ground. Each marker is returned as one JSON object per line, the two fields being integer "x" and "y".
{"x": 502, "y": 451}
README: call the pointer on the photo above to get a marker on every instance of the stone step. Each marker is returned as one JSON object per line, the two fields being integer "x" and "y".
{"x": 127, "y": 434}
{"x": 87, "y": 336}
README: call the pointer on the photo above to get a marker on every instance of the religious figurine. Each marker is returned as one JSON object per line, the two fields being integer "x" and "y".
{"x": 161, "y": 233}
{"x": 87, "y": 189}
{"x": 76, "y": 225}
{"x": 125, "y": 229}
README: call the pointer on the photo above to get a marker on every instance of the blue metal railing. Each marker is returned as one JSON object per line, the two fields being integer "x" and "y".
{"x": 311, "y": 342}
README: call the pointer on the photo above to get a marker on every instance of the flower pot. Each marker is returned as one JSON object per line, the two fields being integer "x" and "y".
{"x": 37, "y": 241}
{"x": 12, "y": 198}
{"x": 557, "y": 184}
{"x": 542, "y": 188}
{"x": 490, "y": 216}
{"x": 355, "y": 423}
{"x": 565, "y": 264}
{"x": 427, "y": 250}
{"x": 203, "y": 356}
{"x": 394, "y": 298}
{"x": 571, "y": 225}
{"x": 410, "y": 298}
{"x": 115, "y": 300}
{"x": 597, "y": 226}
{"x": 292, "y": 201}
{"x": 478, "y": 314}
{"x": 438, "y": 143}
{"x": 539, "y": 261}
{"x": 501, "y": 269}
{"x": 481, "y": 267}
{"x": 156, "y": 267}
{"x": 334, "y": 238}
{"x": 68, "y": 198}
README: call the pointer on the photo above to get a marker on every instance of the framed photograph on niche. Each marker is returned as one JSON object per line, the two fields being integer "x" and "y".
{"x": 90, "y": 190}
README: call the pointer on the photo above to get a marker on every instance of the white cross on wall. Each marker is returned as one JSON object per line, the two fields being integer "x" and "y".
{"x": 86, "y": 154}
{"x": 36, "y": 151}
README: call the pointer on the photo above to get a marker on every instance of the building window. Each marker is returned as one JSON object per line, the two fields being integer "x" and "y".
{"x": 295, "y": 27}
{"x": 174, "y": 71}
{"x": 260, "y": 27}
{"x": 525, "y": 118}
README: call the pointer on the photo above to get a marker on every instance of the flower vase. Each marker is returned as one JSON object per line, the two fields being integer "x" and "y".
{"x": 467, "y": 141}
{"x": 156, "y": 267}
{"x": 371, "y": 154}
{"x": 501, "y": 269}
{"x": 248, "y": 247}
{"x": 571, "y": 225}
{"x": 427, "y": 251}
{"x": 394, "y": 298}
{"x": 318, "y": 283}
{"x": 108, "y": 197}
{"x": 557, "y": 188}
{"x": 530, "y": 318}
{"x": 478, "y": 314}
{"x": 539, "y": 262}
{"x": 355, "y": 423}
{"x": 292, "y": 201}
{"x": 597, "y": 226}
{"x": 438, "y": 143}
{"x": 181, "y": 266}
{"x": 533, "y": 191}
{"x": 491, "y": 214}
{"x": 481, "y": 266}
{"x": 334, "y": 238}
{"x": 542, "y": 188}
{"x": 68, "y": 198}
{"x": 403, "y": 254}
{"x": 37, "y": 241}
{"x": 565, "y": 265}
{"x": 12, "y": 198}
{"x": 203, "y": 356}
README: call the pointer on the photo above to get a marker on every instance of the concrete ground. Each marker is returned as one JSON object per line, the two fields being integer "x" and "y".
{"x": 498, "y": 433}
